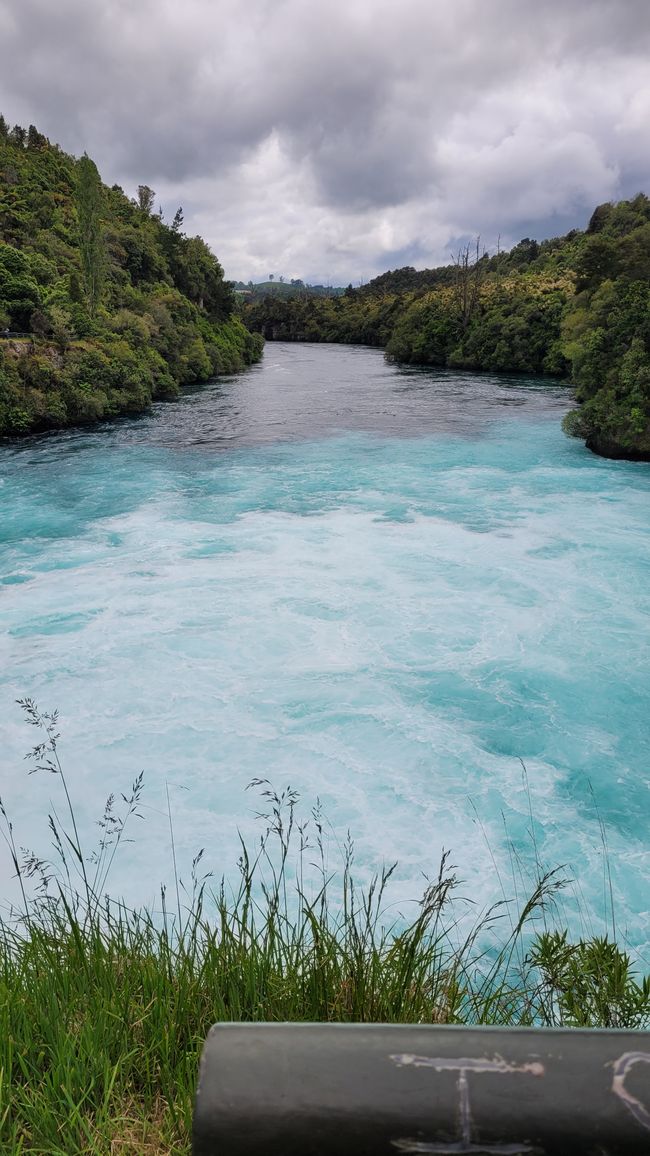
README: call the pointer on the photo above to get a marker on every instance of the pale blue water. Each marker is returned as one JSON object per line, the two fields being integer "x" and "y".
{"x": 383, "y": 587}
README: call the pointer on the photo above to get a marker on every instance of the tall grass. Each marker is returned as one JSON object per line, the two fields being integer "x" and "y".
{"x": 104, "y": 1009}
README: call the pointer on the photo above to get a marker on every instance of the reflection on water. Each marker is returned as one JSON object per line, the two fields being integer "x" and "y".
{"x": 312, "y": 391}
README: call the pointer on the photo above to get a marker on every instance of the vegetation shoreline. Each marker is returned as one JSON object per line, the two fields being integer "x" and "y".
{"x": 121, "y": 307}
{"x": 54, "y": 405}
{"x": 575, "y": 307}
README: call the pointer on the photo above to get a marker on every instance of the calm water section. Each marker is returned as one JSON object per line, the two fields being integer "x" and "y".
{"x": 384, "y": 587}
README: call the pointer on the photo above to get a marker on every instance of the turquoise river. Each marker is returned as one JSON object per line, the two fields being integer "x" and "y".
{"x": 385, "y": 587}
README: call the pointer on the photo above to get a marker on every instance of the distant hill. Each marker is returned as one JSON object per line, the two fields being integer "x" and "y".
{"x": 285, "y": 289}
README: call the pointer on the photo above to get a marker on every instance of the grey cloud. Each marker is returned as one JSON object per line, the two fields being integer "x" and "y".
{"x": 386, "y": 128}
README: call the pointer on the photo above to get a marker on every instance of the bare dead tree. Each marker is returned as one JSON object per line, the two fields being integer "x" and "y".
{"x": 470, "y": 270}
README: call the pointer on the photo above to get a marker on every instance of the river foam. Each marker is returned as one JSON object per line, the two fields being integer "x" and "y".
{"x": 388, "y": 612}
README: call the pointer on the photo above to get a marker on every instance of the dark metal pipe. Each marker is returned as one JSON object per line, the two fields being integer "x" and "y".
{"x": 368, "y": 1090}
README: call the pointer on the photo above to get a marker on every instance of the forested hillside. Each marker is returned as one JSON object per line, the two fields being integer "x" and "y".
{"x": 104, "y": 306}
{"x": 576, "y": 306}
{"x": 114, "y": 306}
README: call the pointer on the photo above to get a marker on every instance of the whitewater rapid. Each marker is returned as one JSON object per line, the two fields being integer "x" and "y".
{"x": 386, "y": 588}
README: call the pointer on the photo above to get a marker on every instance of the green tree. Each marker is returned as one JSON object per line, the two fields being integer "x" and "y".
{"x": 35, "y": 139}
{"x": 19, "y": 291}
{"x": 91, "y": 235}
{"x": 145, "y": 198}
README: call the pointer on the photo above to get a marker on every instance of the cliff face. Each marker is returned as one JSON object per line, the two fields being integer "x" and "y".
{"x": 121, "y": 308}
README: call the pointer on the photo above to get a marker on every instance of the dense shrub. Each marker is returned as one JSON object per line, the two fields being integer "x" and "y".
{"x": 121, "y": 307}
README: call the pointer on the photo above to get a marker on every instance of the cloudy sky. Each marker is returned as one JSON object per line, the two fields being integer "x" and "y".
{"x": 333, "y": 139}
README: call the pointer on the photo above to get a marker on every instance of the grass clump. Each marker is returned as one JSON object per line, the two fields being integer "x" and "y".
{"x": 104, "y": 1009}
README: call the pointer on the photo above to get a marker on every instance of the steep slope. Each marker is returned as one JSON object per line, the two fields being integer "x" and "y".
{"x": 113, "y": 306}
